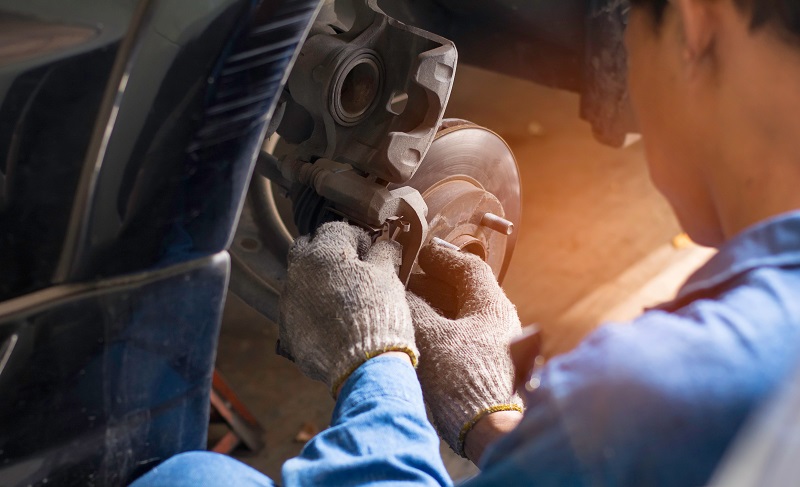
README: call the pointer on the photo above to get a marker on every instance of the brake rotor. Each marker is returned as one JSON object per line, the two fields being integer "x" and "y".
{"x": 468, "y": 172}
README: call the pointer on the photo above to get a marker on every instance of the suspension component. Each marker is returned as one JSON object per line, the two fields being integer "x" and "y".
{"x": 370, "y": 94}
{"x": 362, "y": 140}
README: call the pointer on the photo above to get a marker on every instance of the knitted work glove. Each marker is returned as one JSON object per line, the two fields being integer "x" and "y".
{"x": 466, "y": 370}
{"x": 342, "y": 304}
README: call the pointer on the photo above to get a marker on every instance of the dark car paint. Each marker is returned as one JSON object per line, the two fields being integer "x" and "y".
{"x": 128, "y": 132}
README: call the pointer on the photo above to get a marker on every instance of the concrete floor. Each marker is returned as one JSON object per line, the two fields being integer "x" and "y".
{"x": 596, "y": 243}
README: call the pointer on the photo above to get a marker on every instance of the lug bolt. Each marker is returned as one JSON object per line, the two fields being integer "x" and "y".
{"x": 498, "y": 224}
{"x": 445, "y": 244}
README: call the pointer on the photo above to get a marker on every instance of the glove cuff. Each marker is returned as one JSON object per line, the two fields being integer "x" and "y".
{"x": 462, "y": 436}
{"x": 456, "y": 420}
{"x": 411, "y": 351}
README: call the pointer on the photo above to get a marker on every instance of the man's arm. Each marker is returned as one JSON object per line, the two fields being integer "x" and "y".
{"x": 467, "y": 373}
{"x": 345, "y": 321}
{"x": 379, "y": 433}
{"x": 487, "y": 431}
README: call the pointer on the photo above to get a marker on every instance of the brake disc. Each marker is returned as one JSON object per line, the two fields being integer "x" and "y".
{"x": 469, "y": 172}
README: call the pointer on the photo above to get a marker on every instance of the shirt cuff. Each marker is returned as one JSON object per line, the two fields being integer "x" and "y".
{"x": 388, "y": 377}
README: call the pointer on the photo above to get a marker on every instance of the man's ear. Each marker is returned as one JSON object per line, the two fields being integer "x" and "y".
{"x": 699, "y": 20}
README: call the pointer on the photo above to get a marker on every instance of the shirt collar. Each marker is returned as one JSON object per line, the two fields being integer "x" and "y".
{"x": 771, "y": 243}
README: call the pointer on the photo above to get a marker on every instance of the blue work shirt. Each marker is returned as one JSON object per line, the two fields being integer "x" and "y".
{"x": 654, "y": 402}
{"x": 379, "y": 434}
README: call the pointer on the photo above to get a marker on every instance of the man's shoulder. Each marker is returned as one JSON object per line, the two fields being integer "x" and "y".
{"x": 670, "y": 388}
{"x": 747, "y": 331}
{"x": 752, "y": 317}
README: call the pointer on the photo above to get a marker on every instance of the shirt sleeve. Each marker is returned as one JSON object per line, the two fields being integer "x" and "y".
{"x": 656, "y": 402}
{"x": 537, "y": 453}
{"x": 647, "y": 404}
{"x": 379, "y": 435}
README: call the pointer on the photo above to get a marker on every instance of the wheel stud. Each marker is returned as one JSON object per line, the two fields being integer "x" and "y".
{"x": 498, "y": 224}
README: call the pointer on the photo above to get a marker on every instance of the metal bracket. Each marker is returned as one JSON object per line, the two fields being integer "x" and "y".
{"x": 372, "y": 96}
{"x": 368, "y": 204}
{"x": 413, "y": 223}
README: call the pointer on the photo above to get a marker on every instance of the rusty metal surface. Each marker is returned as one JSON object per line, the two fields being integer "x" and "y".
{"x": 469, "y": 172}
{"x": 457, "y": 206}
{"x": 362, "y": 139}
{"x": 464, "y": 151}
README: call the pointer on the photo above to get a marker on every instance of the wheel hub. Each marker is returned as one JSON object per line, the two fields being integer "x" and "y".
{"x": 469, "y": 173}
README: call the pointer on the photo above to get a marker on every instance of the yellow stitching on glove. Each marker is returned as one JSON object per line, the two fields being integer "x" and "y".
{"x": 483, "y": 412}
{"x": 370, "y": 355}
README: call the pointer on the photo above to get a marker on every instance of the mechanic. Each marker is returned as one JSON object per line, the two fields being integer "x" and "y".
{"x": 715, "y": 85}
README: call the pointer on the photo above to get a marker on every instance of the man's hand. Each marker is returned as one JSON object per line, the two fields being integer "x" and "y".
{"x": 466, "y": 372}
{"x": 343, "y": 304}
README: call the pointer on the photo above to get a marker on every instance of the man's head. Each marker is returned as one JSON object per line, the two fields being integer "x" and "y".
{"x": 715, "y": 85}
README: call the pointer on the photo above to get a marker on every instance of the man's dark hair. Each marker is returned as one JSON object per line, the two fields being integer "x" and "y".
{"x": 784, "y": 15}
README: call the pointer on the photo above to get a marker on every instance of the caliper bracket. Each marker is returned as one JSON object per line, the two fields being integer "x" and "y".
{"x": 398, "y": 214}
